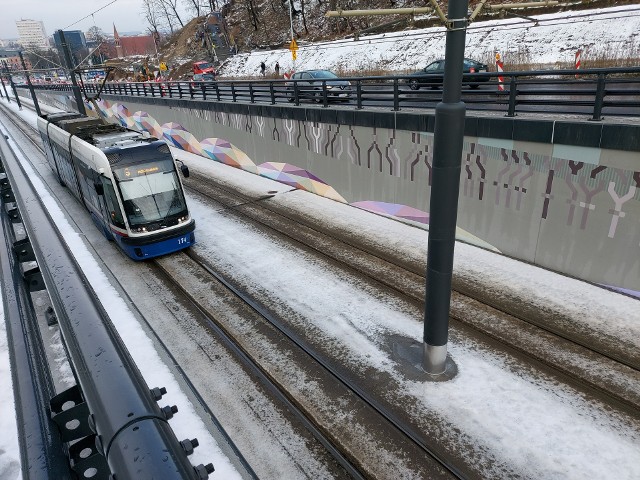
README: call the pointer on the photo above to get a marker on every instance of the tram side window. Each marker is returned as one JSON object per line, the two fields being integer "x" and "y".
{"x": 112, "y": 203}
{"x": 87, "y": 177}
{"x": 66, "y": 170}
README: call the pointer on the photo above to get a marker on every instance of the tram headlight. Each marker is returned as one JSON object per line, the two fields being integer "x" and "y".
{"x": 139, "y": 230}
{"x": 182, "y": 219}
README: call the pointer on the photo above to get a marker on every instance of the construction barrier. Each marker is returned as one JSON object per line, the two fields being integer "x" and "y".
{"x": 577, "y": 62}
{"x": 499, "y": 69}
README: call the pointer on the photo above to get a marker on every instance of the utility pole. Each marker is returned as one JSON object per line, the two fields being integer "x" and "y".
{"x": 447, "y": 159}
{"x": 293, "y": 52}
{"x": 443, "y": 212}
{"x": 4, "y": 87}
{"x": 76, "y": 89}
{"x": 13, "y": 86}
{"x": 31, "y": 89}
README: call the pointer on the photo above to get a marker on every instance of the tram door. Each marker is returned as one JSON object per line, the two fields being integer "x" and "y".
{"x": 112, "y": 213}
{"x": 100, "y": 205}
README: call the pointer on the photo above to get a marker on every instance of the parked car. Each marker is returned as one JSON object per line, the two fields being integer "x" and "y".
{"x": 433, "y": 74}
{"x": 203, "y": 67}
{"x": 202, "y": 77}
{"x": 309, "y": 84}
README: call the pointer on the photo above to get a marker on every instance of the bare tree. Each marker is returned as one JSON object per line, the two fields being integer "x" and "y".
{"x": 197, "y": 6}
{"x": 150, "y": 12}
{"x": 96, "y": 33}
{"x": 170, "y": 10}
{"x": 253, "y": 12}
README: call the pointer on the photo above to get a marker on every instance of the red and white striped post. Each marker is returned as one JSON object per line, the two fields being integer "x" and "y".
{"x": 577, "y": 64}
{"x": 500, "y": 69}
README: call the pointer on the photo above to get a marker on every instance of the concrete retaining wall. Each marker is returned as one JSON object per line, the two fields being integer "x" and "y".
{"x": 561, "y": 194}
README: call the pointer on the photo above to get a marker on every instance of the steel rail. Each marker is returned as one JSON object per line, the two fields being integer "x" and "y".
{"x": 132, "y": 431}
{"x": 229, "y": 342}
{"x": 260, "y": 219}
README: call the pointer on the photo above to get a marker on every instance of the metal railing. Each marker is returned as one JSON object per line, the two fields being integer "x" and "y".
{"x": 120, "y": 428}
{"x": 41, "y": 447}
{"x": 593, "y": 92}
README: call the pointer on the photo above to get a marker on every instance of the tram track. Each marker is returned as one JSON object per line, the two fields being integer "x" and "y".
{"x": 227, "y": 342}
{"x": 573, "y": 358}
{"x": 365, "y": 412}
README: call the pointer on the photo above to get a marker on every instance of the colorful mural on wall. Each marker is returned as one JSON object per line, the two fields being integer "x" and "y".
{"x": 216, "y": 149}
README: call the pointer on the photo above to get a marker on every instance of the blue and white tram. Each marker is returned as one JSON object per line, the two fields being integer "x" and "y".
{"x": 128, "y": 182}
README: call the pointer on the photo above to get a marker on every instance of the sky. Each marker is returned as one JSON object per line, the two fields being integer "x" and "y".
{"x": 61, "y": 14}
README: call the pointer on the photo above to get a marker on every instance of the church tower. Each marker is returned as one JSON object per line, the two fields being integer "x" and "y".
{"x": 116, "y": 39}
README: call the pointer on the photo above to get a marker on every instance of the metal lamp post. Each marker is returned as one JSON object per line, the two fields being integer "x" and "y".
{"x": 443, "y": 210}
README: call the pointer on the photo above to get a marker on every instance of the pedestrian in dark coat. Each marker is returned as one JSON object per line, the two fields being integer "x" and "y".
{"x": 263, "y": 68}
{"x": 277, "y": 69}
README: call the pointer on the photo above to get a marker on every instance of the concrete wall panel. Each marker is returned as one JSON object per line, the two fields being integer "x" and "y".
{"x": 561, "y": 203}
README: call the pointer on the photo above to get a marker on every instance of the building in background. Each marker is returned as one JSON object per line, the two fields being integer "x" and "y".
{"x": 139, "y": 45}
{"x": 31, "y": 34}
{"x": 12, "y": 58}
{"x": 77, "y": 44}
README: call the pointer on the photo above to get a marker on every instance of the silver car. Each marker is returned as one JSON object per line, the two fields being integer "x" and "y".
{"x": 310, "y": 82}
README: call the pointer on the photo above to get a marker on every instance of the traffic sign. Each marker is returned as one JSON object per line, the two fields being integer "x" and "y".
{"x": 294, "y": 54}
{"x": 163, "y": 67}
{"x": 293, "y": 46}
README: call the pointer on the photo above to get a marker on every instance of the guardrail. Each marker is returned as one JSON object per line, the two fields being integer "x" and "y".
{"x": 594, "y": 92}
{"x": 111, "y": 415}
{"x": 40, "y": 443}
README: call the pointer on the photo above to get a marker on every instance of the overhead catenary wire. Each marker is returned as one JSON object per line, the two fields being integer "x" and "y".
{"x": 95, "y": 11}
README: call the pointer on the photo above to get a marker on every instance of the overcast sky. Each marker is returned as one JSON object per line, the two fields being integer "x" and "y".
{"x": 60, "y": 14}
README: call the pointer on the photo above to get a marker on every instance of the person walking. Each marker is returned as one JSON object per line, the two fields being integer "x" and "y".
{"x": 277, "y": 69}
{"x": 263, "y": 68}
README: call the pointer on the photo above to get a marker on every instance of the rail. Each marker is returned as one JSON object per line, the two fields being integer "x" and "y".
{"x": 112, "y": 412}
{"x": 594, "y": 92}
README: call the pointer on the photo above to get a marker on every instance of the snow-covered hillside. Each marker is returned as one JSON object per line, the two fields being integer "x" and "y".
{"x": 552, "y": 40}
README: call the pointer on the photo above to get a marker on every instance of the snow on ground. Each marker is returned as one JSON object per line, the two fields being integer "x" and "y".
{"x": 521, "y": 420}
{"x": 542, "y": 429}
{"x": 187, "y": 424}
{"x": 555, "y": 38}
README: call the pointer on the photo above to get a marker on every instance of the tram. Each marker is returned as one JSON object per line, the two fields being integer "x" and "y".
{"x": 128, "y": 182}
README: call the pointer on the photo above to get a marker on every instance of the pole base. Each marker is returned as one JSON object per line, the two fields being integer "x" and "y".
{"x": 435, "y": 359}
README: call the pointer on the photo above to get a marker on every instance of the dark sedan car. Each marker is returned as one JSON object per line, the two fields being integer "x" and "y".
{"x": 433, "y": 74}
{"x": 202, "y": 77}
{"x": 309, "y": 84}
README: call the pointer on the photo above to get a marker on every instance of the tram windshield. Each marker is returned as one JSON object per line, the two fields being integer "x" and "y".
{"x": 151, "y": 194}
